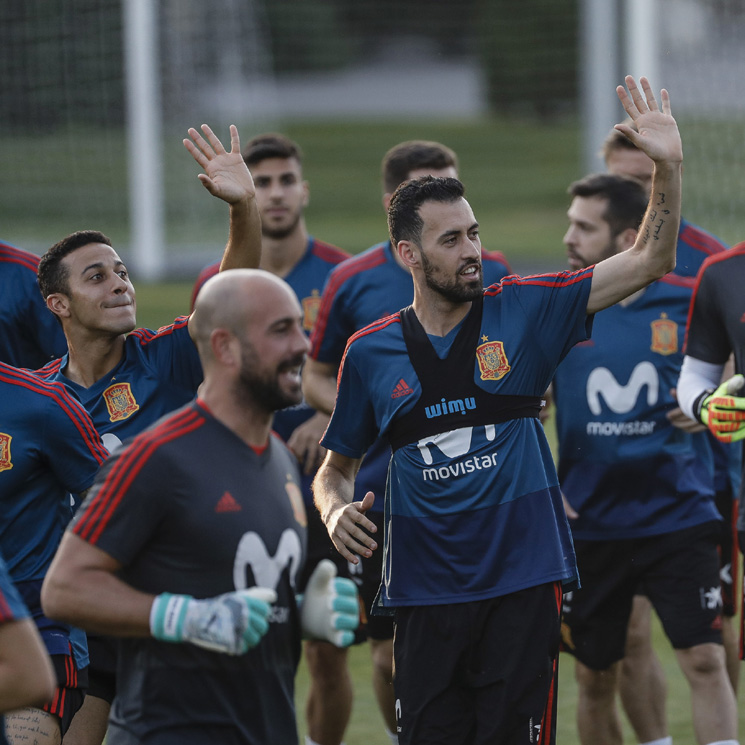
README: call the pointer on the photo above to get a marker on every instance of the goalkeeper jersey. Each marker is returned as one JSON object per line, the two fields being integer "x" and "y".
{"x": 187, "y": 507}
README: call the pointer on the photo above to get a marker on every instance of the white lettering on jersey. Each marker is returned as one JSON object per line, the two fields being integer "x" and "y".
{"x": 453, "y": 444}
{"x": 621, "y": 399}
{"x": 266, "y": 569}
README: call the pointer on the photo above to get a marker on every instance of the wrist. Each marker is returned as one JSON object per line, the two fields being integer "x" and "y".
{"x": 167, "y": 616}
{"x": 698, "y": 405}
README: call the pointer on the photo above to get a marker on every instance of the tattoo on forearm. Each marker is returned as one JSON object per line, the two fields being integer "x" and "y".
{"x": 656, "y": 218}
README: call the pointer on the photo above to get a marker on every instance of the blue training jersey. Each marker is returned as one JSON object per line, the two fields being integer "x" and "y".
{"x": 363, "y": 289}
{"x": 49, "y": 448}
{"x": 694, "y": 246}
{"x": 472, "y": 512}
{"x": 623, "y": 467}
{"x": 30, "y": 335}
{"x": 159, "y": 372}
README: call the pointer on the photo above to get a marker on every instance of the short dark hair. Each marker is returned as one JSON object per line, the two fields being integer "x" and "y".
{"x": 616, "y": 141}
{"x": 404, "y": 221}
{"x": 271, "y": 145}
{"x": 413, "y": 155}
{"x": 51, "y": 273}
{"x": 627, "y": 199}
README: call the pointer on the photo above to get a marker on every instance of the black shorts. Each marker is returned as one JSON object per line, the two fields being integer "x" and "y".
{"x": 320, "y": 546}
{"x": 680, "y": 575}
{"x": 71, "y": 687}
{"x": 102, "y": 651}
{"x": 728, "y": 564}
{"x": 479, "y": 672}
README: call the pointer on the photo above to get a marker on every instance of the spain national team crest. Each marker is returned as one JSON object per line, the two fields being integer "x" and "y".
{"x": 296, "y": 500}
{"x": 120, "y": 402}
{"x": 664, "y": 335}
{"x": 5, "y": 462}
{"x": 310, "y": 309}
{"x": 492, "y": 360}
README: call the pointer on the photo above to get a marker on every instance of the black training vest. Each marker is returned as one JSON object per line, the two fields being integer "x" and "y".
{"x": 450, "y": 398}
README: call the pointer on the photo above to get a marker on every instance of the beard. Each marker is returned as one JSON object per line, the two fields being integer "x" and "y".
{"x": 453, "y": 290}
{"x": 281, "y": 231}
{"x": 261, "y": 389}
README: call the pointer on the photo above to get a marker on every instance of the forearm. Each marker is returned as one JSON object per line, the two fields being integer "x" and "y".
{"x": 319, "y": 386}
{"x": 696, "y": 377}
{"x": 243, "y": 250}
{"x": 333, "y": 489}
{"x": 82, "y": 588}
{"x": 657, "y": 240}
{"x": 652, "y": 255}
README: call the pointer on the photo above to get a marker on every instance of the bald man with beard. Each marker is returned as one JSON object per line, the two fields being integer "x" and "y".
{"x": 190, "y": 541}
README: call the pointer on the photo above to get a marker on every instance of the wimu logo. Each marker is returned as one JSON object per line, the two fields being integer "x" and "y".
{"x": 450, "y": 407}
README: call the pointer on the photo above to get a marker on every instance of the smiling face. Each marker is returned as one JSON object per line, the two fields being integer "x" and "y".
{"x": 273, "y": 350}
{"x": 100, "y": 296}
{"x": 450, "y": 251}
{"x": 281, "y": 195}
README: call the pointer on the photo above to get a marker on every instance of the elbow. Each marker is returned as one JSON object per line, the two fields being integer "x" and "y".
{"x": 57, "y": 599}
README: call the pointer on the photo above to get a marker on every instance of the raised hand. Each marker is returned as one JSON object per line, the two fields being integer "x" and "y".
{"x": 654, "y": 132}
{"x": 226, "y": 175}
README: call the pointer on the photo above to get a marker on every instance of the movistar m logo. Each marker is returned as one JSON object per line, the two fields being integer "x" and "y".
{"x": 450, "y": 407}
{"x": 622, "y": 399}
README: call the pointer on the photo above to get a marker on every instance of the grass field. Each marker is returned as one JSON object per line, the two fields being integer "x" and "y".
{"x": 159, "y": 304}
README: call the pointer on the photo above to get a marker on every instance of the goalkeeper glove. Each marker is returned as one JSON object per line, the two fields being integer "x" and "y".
{"x": 329, "y": 609}
{"x": 723, "y": 412}
{"x": 231, "y": 623}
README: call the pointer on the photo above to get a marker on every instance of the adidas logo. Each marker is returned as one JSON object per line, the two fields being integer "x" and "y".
{"x": 227, "y": 503}
{"x": 401, "y": 389}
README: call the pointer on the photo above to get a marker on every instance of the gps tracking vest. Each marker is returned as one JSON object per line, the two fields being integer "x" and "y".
{"x": 450, "y": 397}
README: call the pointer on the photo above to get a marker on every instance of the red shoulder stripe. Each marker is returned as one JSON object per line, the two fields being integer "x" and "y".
{"x": 14, "y": 255}
{"x": 66, "y": 401}
{"x": 130, "y": 463}
{"x": 147, "y": 335}
{"x": 701, "y": 240}
{"x": 328, "y": 252}
{"x": 335, "y": 280}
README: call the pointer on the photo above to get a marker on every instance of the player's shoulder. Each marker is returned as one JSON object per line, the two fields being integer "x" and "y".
{"x": 355, "y": 266}
{"x": 377, "y": 332}
{"x": 327, "y": 252}
{"x": 142, "y": 337}
{"x": 14, "y": 256}
{"x": 38, "y": 391}
{"x": 699, "y": 239}
{"x": 496, "y": 258}
{"x": 547, "y": 280}
{"x": 725, "y": 263}
{"x": 676, "y": 282}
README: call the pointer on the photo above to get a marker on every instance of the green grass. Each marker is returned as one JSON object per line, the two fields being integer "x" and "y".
{"x": 159, "y": 304}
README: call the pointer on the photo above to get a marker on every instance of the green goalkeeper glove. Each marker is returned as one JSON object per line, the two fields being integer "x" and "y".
{"x": 329, "y": 608}
{"x": 723, "y": 412}
{"x": 231, "y": 623}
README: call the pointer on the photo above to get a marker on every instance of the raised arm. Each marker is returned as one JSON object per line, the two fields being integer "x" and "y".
{"x": 227, "y": 177}
{"x": 653, "y": 255}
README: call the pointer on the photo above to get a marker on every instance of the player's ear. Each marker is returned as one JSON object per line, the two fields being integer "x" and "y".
{"x": 225, "y": 347}
{"x": 387, "y": 200}
{"x": 306, "y": 194}
{"x": 627, "y": 238}
{"x": 59, "y": 304}
{"x": 408, "y": 252}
